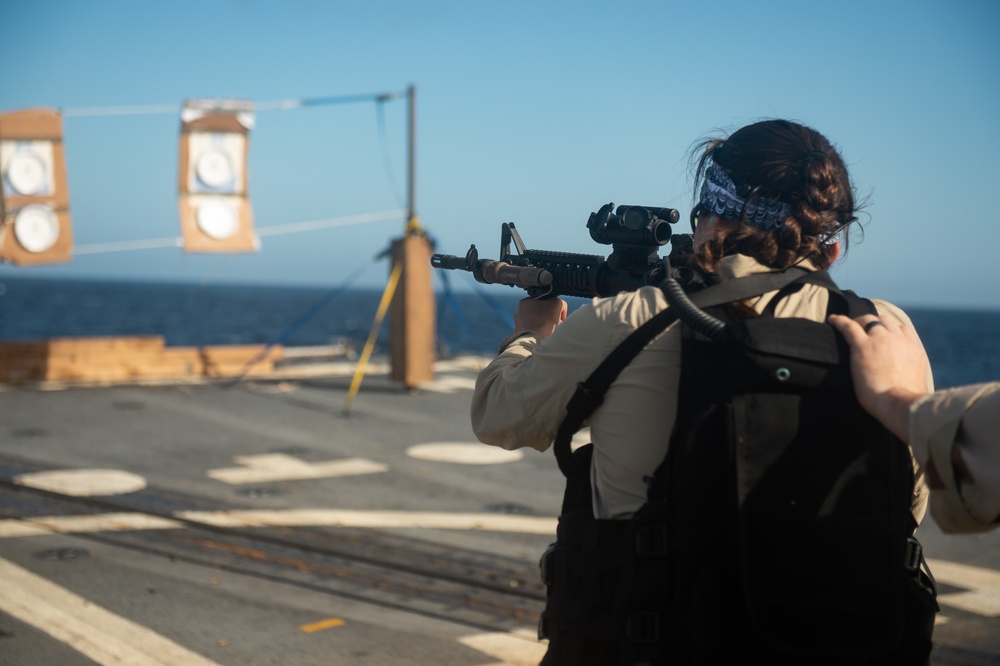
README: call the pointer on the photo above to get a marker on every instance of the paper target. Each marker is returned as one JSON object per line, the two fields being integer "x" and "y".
{"x": 216, "y": 165}
{"x": 217, "y": 219}
{"x": 34, "y": 200}
{"x": 214, "y": 168}
{"x": 27, "y": 167}
{"x": 215, "y": 212}
{"x": 26, "y": 174}
{"x": 36, "y": 228}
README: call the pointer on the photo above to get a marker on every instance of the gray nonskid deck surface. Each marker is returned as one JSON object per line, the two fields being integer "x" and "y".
{"x": 269, "y": 528}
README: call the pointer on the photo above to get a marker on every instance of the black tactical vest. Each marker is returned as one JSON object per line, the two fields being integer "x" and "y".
{"x": 777, "y": 528}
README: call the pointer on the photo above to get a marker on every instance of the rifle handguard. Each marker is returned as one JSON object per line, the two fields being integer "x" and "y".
{"x": 500, "y": 272}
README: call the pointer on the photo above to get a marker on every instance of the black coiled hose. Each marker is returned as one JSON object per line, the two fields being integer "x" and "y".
{"x": 699, "y": 320}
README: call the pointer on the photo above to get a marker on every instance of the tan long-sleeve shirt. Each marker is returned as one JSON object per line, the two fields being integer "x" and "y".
{"x": 958, "y": 430}
{"x": 520, "y": 398}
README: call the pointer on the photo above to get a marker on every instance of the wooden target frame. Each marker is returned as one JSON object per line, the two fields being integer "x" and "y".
{"x": 213, "y": 179}
{"x": 35, "y": 223}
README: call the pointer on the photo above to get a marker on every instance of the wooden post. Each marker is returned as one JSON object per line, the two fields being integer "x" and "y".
{"x": 411, "y": 315}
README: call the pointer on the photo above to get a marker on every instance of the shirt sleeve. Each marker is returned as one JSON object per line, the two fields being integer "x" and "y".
{"x": 958, "y": 432}
{"x": 520, "y": 398}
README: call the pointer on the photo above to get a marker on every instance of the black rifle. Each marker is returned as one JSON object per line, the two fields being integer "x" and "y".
{"x": 634, "y": 232}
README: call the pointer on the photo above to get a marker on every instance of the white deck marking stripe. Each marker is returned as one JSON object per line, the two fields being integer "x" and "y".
{"x": 463, "y": 453}
{"x": 99, "y": 522}
{"x": 20, "y": 528}
{"x": 347, "y": 518}
{"x": 87, "y": 628}
{"x": 280, "y": 467}
{"x": 518, "y": 648}
{"x": 84, "y": 482}
{"x": 110, "y": 522}
{"x": 981, "y": 587}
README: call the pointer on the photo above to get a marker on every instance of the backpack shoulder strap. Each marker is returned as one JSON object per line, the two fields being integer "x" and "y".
{"x": 589, "y": 393}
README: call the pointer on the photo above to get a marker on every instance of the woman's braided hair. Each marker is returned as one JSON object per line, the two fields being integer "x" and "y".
{"x": 784, "y": 161}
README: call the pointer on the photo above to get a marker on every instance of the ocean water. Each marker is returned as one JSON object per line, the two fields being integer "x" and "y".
{"x": 189, "y": 314}
{"x": 963, "y": 345}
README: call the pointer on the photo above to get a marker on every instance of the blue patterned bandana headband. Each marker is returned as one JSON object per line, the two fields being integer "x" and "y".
{"x": 719, "y": 196}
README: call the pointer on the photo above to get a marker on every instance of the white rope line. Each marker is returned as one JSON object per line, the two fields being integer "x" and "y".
{"x": 278, "y": 105}
{"x": 291, "y": 228}
{"x": 121, "y": 110}
{"x": 122, "y": 246}
{"x": 344, "y": 221}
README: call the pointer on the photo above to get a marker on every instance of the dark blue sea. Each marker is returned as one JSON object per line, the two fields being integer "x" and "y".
{"x": 963, "y": 345}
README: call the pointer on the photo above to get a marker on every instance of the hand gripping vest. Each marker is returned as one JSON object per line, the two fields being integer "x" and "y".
{"x": 777, "y": 528}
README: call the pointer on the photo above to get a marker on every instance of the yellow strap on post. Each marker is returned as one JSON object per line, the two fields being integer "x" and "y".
{"x": 383, "y": 306}
{"x": 413, "y": 227}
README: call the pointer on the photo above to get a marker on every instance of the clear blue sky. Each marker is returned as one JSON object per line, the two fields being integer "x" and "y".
{"x": 532, "y": 112}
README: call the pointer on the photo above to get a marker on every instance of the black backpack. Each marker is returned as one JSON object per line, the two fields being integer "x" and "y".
{"x": 778, "y": 526}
